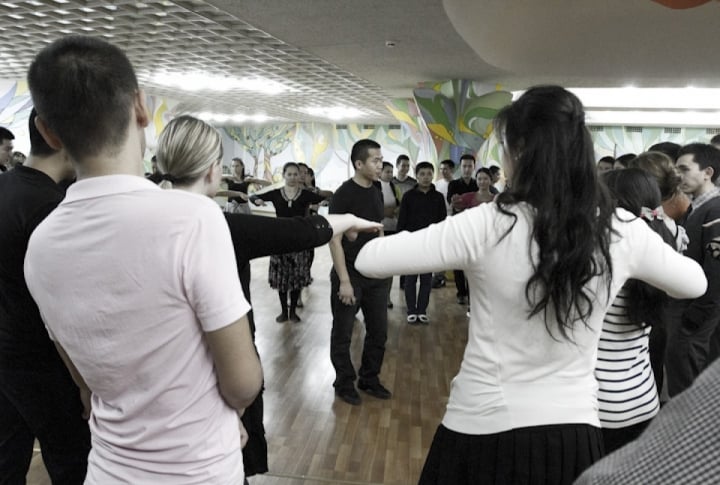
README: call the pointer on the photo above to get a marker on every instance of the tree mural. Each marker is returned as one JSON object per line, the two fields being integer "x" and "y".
{"x": 275, "y": 138}
{"x": 413, "y": 132}
{"x": 251, "y": 139}
{"x": 312, "y": 144}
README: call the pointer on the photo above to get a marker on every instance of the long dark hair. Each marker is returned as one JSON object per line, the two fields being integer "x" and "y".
{"x": 550, "y": 158}
{"x": 634, "y": 189}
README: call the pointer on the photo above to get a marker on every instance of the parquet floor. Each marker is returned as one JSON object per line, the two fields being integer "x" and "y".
{"x": 316, "y": 439}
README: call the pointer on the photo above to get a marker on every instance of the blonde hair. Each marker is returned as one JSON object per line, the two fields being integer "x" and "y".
{"x": 662, "y": 168}
{"x": 187, "y": 147}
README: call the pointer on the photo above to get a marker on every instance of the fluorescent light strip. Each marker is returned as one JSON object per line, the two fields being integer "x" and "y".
{"x": 195, "y": 81}
{"x": 333, "y": 112}
{"x": 703, "y": 119}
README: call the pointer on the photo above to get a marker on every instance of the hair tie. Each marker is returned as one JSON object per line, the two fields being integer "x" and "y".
{"x": 650, "y": 214}
{"x": 168, "y": 177}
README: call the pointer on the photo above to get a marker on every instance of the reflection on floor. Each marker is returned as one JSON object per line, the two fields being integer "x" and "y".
{"x": 315, "y": 439}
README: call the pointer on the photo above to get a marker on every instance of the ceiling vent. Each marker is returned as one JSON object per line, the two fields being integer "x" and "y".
{"x": 712, "y": 131}
{"x": 341, "y": 127}
{"x": 633, "y": 129}
{"x": 672, "y": 131}
{"x": 596, "y": 129}
{"x": 394, "y": 127}
{"x": 368, "y": 127}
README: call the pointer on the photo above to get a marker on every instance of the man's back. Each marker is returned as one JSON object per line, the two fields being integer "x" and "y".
{"x": 27, "y": 196}
{"x": 133, "y": 284}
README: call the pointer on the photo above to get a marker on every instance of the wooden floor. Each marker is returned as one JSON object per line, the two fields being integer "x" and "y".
{"x": 316, "y": 439}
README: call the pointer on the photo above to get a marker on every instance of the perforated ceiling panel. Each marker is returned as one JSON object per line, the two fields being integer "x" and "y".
{"x": 190, "y": 36}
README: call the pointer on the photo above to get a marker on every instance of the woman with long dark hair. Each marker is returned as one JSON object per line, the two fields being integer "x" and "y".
{"x": 544, "y": 261}
{"x": 628, "y": 394}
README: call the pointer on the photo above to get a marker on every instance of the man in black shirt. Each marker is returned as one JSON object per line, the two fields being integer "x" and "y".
{"x": 350, "y": 290}
{"x": 38, "y": 398}
{"x": 6, "y": 148}
{"x": 466, "y": 183}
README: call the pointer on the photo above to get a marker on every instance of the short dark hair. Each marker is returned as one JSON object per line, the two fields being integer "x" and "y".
{"x": 291, "y": 165}
{"x": 448, "y": 162}
{"x": 83, "y": 88}
{"x": 625, "y": 160}
{"x": 400, "y": 158}
{"x": 484, "y": 170}
{"x": 6, "y": 134}
{"x": 38, "y": 146}
{"x": 704, "y": 155}
{"x": 361, "y": 149}
{"x": 300, "y": 164}
{"x": 468, "y": 156}
{"x": 386, "y": 165}
{"x": 668, "y": 148}
{"x": 422, "y": 165}
{"x": 494, "y": 170}
{"x": 715, "y": 140}
{"x": 608, "y": 159}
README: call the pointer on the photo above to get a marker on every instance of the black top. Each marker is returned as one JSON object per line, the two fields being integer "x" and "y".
{"x": 707, "y": 307}
{"x": 419, "y": 209}
{"x": 254, "y": 237}
{"x": 27, "y": 196}
{"x": 365, "y": 202}
{"x": 238, "y": 187}
{"x": 285, "y": 207}
{"x": 458, "y": 186}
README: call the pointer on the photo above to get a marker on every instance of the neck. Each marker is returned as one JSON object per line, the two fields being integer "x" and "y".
{"x": 56, "y": 166}
{"x": 402, "y": 178}
{"x": 123, "y": 160}
{"x": 361, "y": 180}
{"x": 467, "y": 179}
{"x": 424, "y": 189}
{"x": 448, "y": 179}
{"x": 707, "y": 187}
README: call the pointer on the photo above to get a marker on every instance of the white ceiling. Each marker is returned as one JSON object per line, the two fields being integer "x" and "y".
{"x": 333, "y": 52}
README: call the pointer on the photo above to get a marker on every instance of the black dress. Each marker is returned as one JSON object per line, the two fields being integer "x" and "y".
{"x": 255, "y": 237}
{"x": 290, "y": 272}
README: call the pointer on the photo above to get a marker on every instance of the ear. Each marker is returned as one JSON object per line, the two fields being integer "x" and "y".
{"x": 709, "y": 171}
{"x": 50, "y": 137}
{"x": 142, "y": 115}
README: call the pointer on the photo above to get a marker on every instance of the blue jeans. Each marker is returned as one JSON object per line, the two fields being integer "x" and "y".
{"x": 371, "y": 297}
{"x": 417, "y": 305}
{"x": 43, "y": 404}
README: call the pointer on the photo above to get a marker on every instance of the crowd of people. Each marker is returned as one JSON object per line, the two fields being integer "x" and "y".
{"x": 127, "y": 343}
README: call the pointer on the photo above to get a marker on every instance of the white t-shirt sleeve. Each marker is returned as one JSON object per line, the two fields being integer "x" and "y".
{"x": 210, "y": 275}
{"x": 452, "y": 243}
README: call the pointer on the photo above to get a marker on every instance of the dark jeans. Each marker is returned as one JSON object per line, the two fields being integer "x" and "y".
{"x": 460, "y": 283}
{"x": 44, "y": 405}
{"x": 619, "y": 437}
{"x": 371, "y": 297}
{"x": 417, "y": 305}
{"x": 687, "y": 354}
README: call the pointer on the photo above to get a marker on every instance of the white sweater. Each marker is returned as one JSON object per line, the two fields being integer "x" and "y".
{"x": 514, "y": 373}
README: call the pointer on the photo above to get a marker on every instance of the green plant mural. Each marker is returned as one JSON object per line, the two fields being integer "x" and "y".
{"x": 276, "y": 138}
{"x": 251, "y": 138}
{"x": 312, "y": 144}
{"x": 413, "y": 134}
{"x": 459, "y": 114}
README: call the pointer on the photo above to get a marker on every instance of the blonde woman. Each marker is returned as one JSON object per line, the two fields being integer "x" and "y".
{"x": 189, "y": 153}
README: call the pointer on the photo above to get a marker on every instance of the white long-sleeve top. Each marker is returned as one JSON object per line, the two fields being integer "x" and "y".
{"x": 514, "y": 372}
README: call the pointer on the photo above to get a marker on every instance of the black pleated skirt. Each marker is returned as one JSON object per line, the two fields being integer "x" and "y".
{"x": 537, "y": 455}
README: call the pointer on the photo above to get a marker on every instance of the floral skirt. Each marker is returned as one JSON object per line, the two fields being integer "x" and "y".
{"x": 291, "y": 271}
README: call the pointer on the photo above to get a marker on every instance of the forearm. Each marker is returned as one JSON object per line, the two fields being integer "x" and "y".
{"x": 338, "y": 258}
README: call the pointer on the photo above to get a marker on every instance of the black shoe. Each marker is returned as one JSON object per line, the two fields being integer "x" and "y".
{"x": 438, "y": 282}
{"x": 283, "y": 317}
{"x": 390, "y": 305}
{"x": 293, "y": 317}
{"x": 376, "y": 390}
{"x": 349, "y": 395}
{"x": 462, "y": 300}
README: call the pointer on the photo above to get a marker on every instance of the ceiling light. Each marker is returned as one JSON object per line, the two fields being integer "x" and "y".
{"x": 649, "y": 98}
{"x": 211, "y": 117}
{"x": 333, "y": 112}
{"x": 690, "y": 118}
{"x": 197, "y": 81}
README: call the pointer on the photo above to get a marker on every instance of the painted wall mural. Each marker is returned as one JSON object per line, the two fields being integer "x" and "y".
{"x": 459, "y": 113}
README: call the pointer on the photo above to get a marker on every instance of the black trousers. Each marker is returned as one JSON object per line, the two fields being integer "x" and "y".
{"x": 460, "y": 283}
{"x": 688, "y": 354}
{"x": 43, "y": 404}
{"x": 371, "y": 297}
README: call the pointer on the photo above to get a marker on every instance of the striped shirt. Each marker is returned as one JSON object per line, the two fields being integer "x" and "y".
{"x": 627, "y": 394}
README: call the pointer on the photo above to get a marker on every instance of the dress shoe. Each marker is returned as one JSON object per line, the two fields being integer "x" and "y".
{"x": 293, "y": 317}
{"x": 283, "y": 317}
{"x": 349, "y": 395}
{"x": 462, "y": 300}
{"x": 376, "y": 390}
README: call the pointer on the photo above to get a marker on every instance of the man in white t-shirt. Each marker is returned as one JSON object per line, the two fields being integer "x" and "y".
{"x": 137, "y": 286}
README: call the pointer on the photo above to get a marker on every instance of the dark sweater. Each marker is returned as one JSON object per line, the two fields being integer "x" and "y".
{"x": 419, "y": 209}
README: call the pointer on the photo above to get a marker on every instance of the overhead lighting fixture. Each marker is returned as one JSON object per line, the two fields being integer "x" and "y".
{"x": 649, "y": 98}
{"x": 211, "y": 117}
{"x": 333, "y": 112}
{"x": 701, "y": 119}
{"x": 195, "y": 81}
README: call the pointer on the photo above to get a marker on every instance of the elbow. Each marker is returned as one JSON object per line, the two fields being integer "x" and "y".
{"x": 241, "y": 394}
